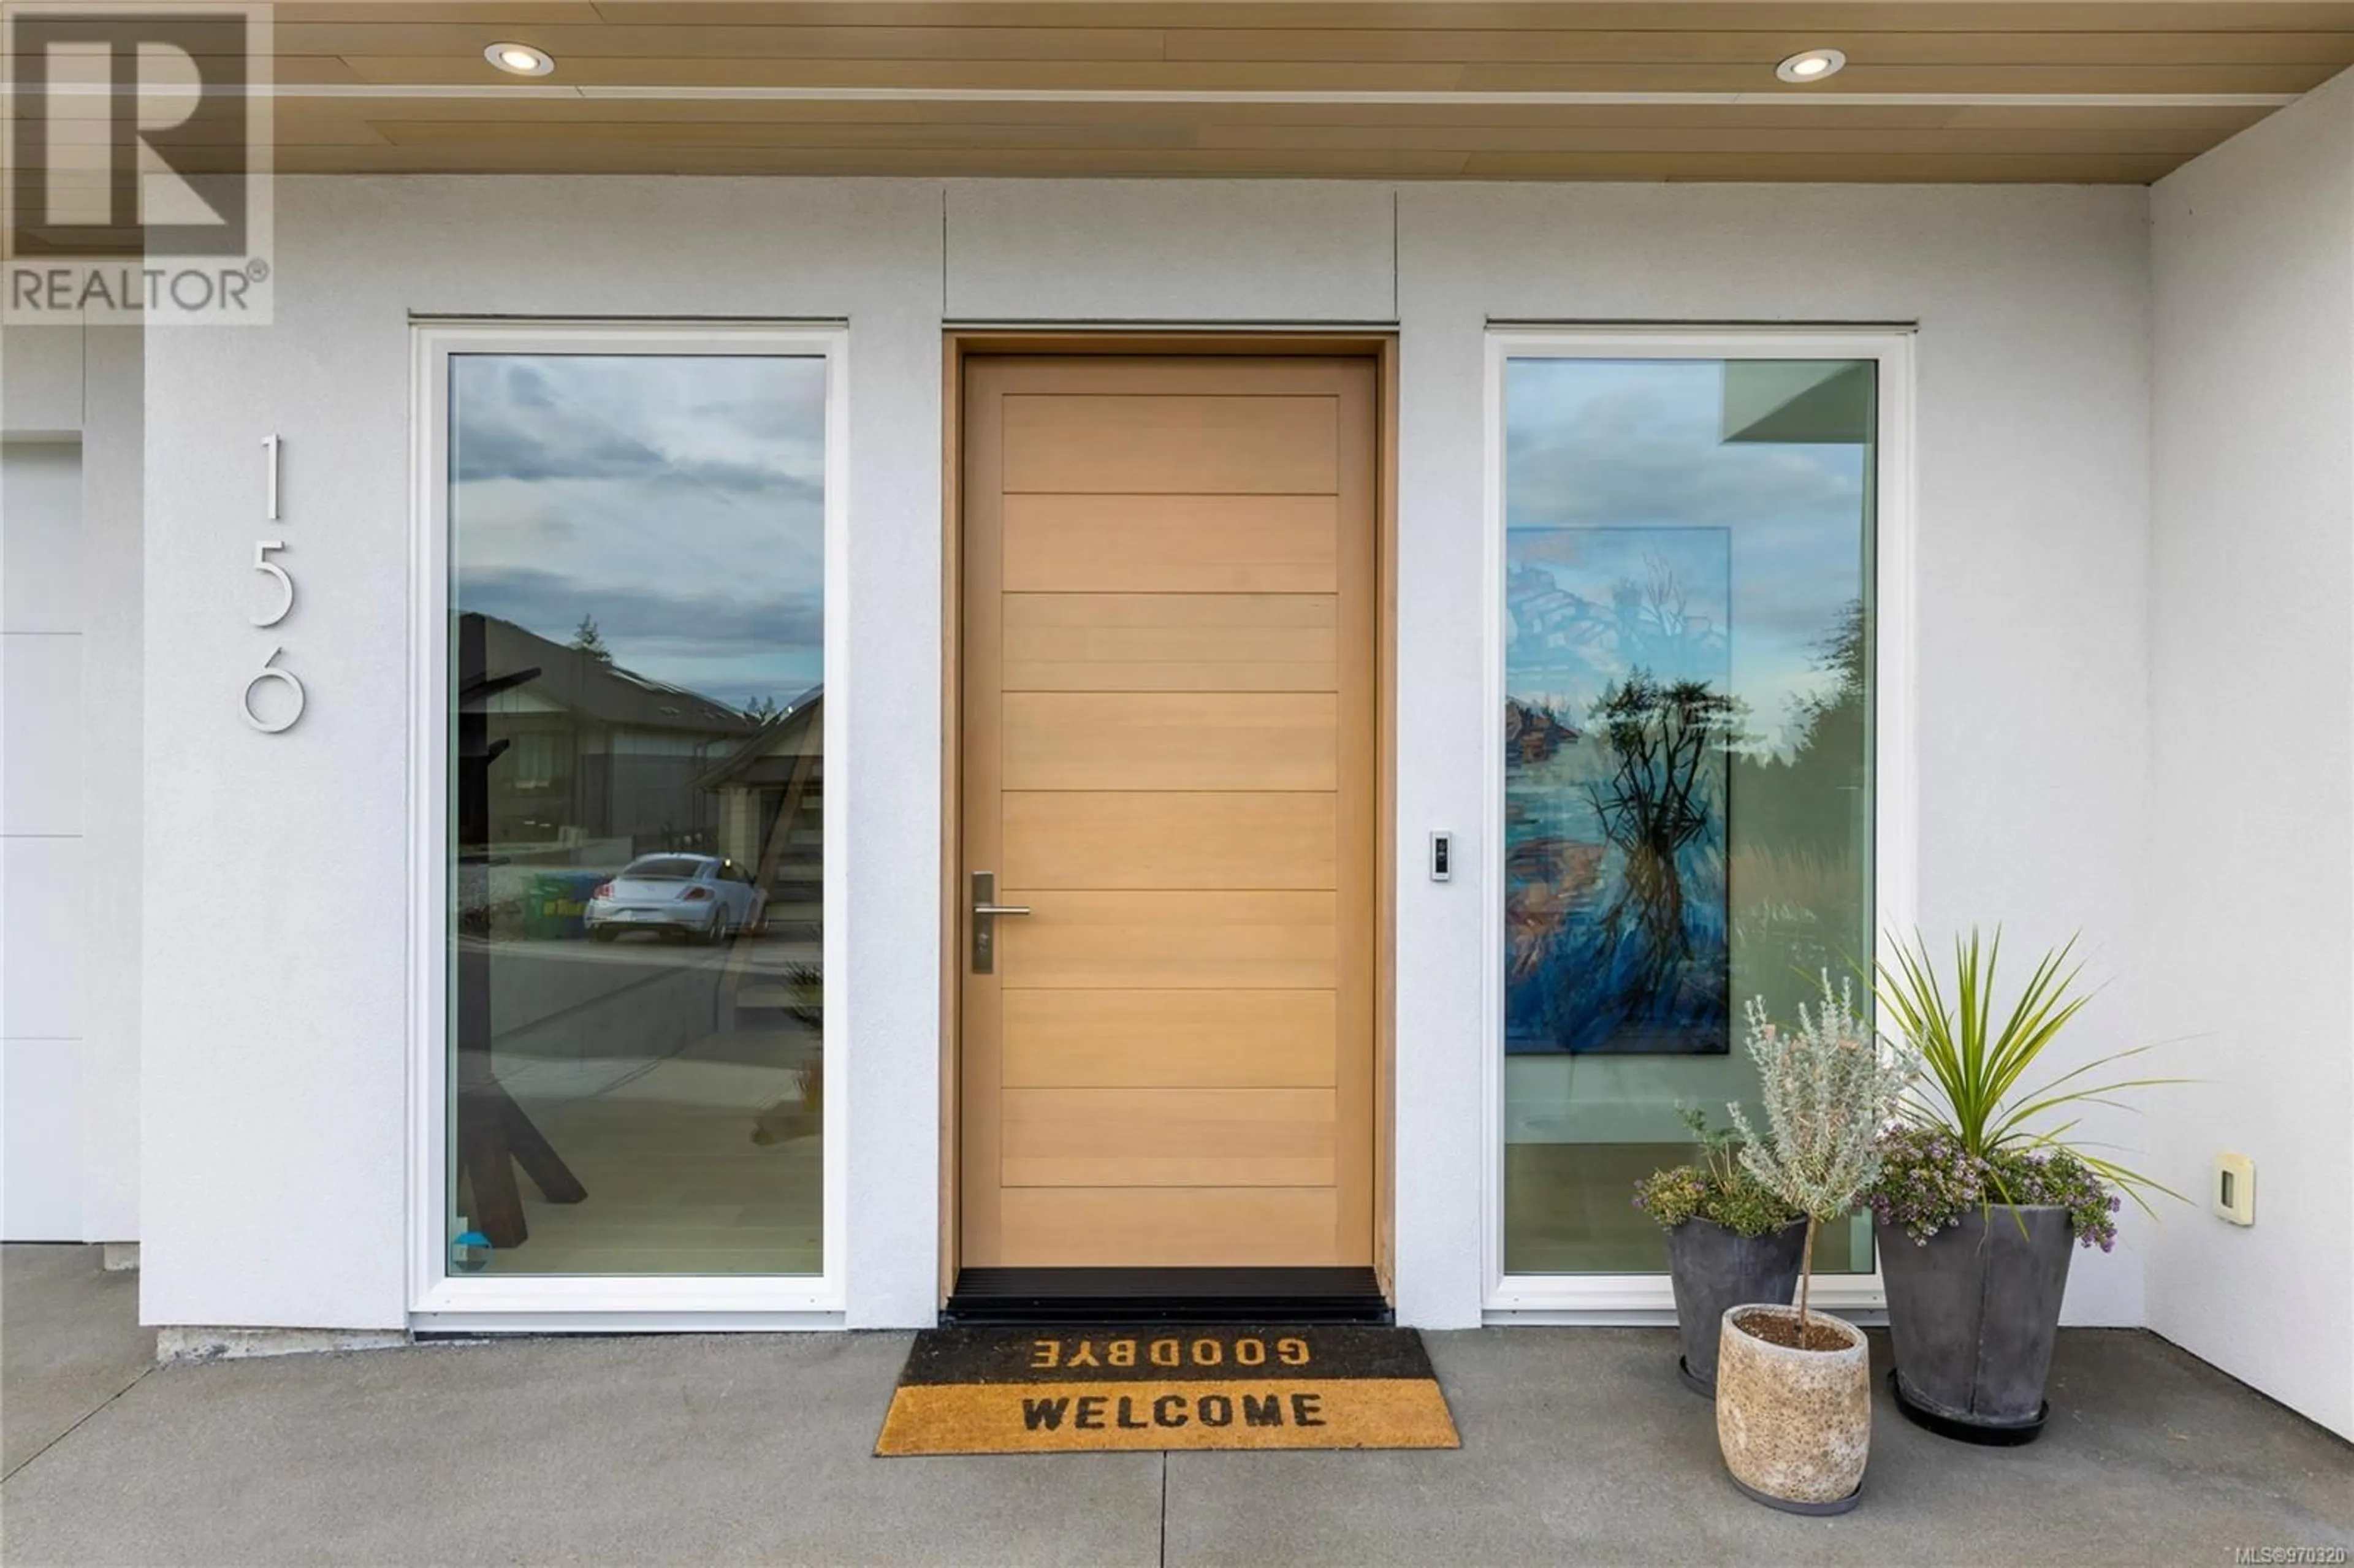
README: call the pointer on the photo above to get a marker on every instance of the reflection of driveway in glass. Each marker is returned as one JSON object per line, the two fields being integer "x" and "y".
{"x": 610, "y": 1003}
{"x": 681, "y": 1181}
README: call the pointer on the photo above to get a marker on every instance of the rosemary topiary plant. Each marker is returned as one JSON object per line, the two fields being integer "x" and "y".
{"x": 1829, "y": 1090}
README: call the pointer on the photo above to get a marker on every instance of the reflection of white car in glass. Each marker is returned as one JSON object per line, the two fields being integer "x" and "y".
{"x": 698, "y": 895}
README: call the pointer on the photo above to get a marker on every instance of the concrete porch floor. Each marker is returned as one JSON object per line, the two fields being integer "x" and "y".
{"x": 1579, "y": 1446}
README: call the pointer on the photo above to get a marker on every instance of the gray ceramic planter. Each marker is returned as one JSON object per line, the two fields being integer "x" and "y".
{"x": 1973, "y": 1316}
{"x": 1713, "y": 1269}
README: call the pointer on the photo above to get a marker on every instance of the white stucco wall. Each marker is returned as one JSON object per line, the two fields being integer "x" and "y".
{"x": 275, "y": 1076}
{"x": 2030, "y": 505}
{"x": 2250, "y": 844}
{"x": 275, "y": 1004}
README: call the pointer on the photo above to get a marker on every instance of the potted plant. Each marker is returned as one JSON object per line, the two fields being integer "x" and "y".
{"x": 1794, "y": 1386}
{"x": 1978, "y": 1202}
{"x": 1729, "y": 1241}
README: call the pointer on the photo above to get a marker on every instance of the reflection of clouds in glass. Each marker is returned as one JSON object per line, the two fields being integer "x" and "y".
{"x": 652, "y": 627}
{"x": 679, "y": 501}
{"x": 1590, "y": 443}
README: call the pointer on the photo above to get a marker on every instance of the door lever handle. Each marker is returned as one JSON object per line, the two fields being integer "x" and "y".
{"x": 985, "y": 911}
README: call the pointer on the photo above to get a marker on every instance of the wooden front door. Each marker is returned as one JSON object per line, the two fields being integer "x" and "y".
{"x": 1169, "y": 720}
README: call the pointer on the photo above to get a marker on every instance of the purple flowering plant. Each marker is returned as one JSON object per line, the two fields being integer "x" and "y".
{"x": 1928, "y": 1183}
{"x": 1973, "y": 1136}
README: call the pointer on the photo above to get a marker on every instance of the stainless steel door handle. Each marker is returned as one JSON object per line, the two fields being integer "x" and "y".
{"x": 985, "y": 911}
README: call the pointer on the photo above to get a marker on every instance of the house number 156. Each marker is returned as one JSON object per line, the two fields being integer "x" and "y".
{"x": 288, "y": 708}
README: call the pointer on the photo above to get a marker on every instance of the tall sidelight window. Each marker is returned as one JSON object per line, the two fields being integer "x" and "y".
{"x": 1687, "y": 805}
{"x": 636, "y": 782}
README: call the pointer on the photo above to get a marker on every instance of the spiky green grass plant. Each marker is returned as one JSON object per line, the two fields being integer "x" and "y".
{"x": 1975, "y": 1058}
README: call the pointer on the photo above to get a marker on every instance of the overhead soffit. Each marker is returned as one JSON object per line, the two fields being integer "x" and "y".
{"x": 1617, "y": 89}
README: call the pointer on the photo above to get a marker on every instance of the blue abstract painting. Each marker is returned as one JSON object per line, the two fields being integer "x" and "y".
{"x": 1618, "y": 719}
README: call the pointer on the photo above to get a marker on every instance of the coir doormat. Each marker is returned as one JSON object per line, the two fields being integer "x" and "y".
{"x": 1021, "y": 1390}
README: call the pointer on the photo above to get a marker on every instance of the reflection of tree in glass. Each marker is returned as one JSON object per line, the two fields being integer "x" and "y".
{"x": 1653, "y": 804}
{"x": 1801, "y": 870}
{"x": 1841, "y": 654}
{"x": 1657, "y": 609}
{"x": 1809, "y": 792}
{"x": 587, "y": 639}
{"x": 1655, "y": 623}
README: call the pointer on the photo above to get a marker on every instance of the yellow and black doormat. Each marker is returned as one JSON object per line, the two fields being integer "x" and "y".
{"x": 1054, "y": 1391}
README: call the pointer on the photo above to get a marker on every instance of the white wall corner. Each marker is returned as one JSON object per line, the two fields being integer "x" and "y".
{"x": 2250, "y": 891}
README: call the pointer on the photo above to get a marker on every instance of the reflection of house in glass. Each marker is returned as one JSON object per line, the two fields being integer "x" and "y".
{"x": 602, "y": 762}
{"x": 770, "y": 796}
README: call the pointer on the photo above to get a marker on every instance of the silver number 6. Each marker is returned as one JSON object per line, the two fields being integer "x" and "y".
{"x": 262, "y": 563}
{"x": 270, "y": 673}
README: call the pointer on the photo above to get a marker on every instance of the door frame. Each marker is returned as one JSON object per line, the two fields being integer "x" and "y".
{"x": 1382, "y": 349}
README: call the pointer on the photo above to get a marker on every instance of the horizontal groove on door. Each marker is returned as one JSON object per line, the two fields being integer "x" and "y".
{"x": 1254, "y": 443}
{"x": 1177, "y": 1227}
{"x": 1171, "y": 740}
{"x": 1179, "y": 940}
{"x": 1163, "y": 545}
{"x": 1081, "y": 641}
{"x": 1146, "y": 1039}
{"x": 1064, "y": 1136}
{"x": 1169, "y": 840}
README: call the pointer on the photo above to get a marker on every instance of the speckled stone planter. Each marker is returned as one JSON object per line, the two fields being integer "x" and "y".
{"x": 1794, "y": 1426}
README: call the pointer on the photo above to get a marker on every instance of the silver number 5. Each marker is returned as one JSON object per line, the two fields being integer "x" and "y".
{"x": 270, "y": 672}
{"x": 262, "y": 563}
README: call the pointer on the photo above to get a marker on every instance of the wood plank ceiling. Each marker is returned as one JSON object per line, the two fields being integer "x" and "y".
{"x": 2110, "y": 90}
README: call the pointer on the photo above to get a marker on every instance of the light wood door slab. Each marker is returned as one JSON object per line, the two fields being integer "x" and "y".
{"x": 1168, "y": 724}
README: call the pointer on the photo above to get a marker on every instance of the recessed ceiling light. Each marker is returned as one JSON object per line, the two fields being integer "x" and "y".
{"x": 520, "y": 60}
{"x": 1811, "y": 65}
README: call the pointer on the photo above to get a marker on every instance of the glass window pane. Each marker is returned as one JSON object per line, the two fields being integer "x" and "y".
{"x": 1688, "y": 800}
{"x": 637, "y": 786}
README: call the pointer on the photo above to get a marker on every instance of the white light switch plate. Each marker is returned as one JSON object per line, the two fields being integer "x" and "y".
{"x": 2235, "y": 1194}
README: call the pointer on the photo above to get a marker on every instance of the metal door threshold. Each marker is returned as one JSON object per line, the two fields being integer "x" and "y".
{"x": 1060, "y": 1296}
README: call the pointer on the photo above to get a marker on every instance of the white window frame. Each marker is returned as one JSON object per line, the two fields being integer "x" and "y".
{"x": 439, "y": 1300}
{"x": 1649, "y": 1297}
